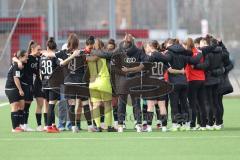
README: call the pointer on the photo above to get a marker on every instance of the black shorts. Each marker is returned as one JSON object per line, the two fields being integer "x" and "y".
{"x": 13, "y": 95}
{"x": 76, "y": 92}
{"x": 28, "y": 92}
{"x": 37, "y": 89}
{"x": 51, "y": 94}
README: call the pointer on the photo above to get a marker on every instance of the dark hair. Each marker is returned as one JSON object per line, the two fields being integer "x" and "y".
{"x": 32, "y": 44}
{"x": 51, "y": 43}
{"x": 155, "y": 44}
{"x": 162, "y": 47}
{"x": 189, "y": 43}
{"x": 72, "y": 42}
{"x": 112, "y": 41}
{"x": 173, "y": 41}
{"x": 197, "y": 40}
{"x": 90, "y": 40}
{"x": 20, "y": 53}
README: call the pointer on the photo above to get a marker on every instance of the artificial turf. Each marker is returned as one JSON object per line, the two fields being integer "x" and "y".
{"x": 192, "y": 145}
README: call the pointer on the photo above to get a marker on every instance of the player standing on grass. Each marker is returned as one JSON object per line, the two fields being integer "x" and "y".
{"x": 48, "y": 63}
{"x": 100, "y": 89}
{"x": 75, "y": 64}
{"x": 14, "y": 91}
{"x": 31, "y": 87}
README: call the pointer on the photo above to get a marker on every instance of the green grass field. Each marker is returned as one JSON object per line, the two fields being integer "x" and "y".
{"x": 192, "y": 145}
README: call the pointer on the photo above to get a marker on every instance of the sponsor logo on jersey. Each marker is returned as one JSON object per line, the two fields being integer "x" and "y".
{"x": 130, "y": 60}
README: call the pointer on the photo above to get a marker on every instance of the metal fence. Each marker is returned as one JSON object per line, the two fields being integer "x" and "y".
{"x": 145, "y": 19}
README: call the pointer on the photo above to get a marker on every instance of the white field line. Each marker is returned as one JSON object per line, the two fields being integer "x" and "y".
{"x": 118, "y": 138}
{"x": 4, "y": 104}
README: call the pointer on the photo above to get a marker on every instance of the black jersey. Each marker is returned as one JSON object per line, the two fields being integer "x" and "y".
{"x": 47, "y": 67}
{"x": 157, "y": 65}
{"x": 31, "y": 68}
{"x": 76, "y": 68}
{"x": 14, "y": 71}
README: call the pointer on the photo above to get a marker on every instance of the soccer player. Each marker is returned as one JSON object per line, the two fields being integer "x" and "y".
{"x": 100, "y": 89}
{"x": 75, "y": 64}
{"x": 133, "y": 55}
{"x": 157, "y": 71}
{"x": 48, "y": 63}
{"x": 14, "y": 91}
{"x": 32, "y": 70}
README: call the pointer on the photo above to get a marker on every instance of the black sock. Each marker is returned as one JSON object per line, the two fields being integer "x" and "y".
{"x": 87, "y": 114}
{"x": 21, "y": 117}
{"x": 78, "y": 123}
{"x": 157, "y": 110}
{"x": 50, "y": 114}
{"x": 102, "y": 114}
{"x": 71, "y": 113}
{"x": 45, "y": 118}
{"x": 149, "y": 118}
{"x": 163, "y": 119}
{"x": 144, "y": 111}
{"x": 14, "y": 118}
{"x": 39, "y": 118}
{"x": 115, "y": 114}
{"x": 26, "y": 112}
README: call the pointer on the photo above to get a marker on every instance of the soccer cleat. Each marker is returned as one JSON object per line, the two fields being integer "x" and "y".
{"x": 103, "y": 126}
{"x": 202, "y": 129}
{"x": 51, "y": 129}
{"x": 75, "y": 129}
{"x": 17, "y": 130}
{"x": 111, "y": 129}
{"x": 138, "y": 128}
{"x": 149, "y": 128}
{"x": 27, "y": 128}
{"x": 61, "y": 129}
{"x": 120, "y": 129}
{"x": 217, "y": 127}
{"x": 175, "y": 127}
{"x": 39, "y": 129}
{"x": 55, "y": 127}
{"x": 45, "y": 128}
{"x": 193, "y": 128}
{"x": 209, "y": 128}
{"x": 164, "y": 129}
{"x": 99, "y": 129}
{"x": 91, "y": 129}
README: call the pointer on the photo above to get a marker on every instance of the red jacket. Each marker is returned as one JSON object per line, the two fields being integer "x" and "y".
{"x": 194, "y": 74}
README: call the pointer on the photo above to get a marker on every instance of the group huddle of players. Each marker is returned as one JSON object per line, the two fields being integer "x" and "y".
{"x": 190, "y": 75}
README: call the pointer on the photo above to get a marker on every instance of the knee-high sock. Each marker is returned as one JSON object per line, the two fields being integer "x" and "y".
{"x": 149, "y": 118}
{"x": 39, "y": 119}
{"x": 15, "y": 119}
{"x": 87, "y": 114}
{"x": 115, "y": 114}
{"x": 102, "y": 113}
{"x": 21, "y": 117}
{"x": 96, "y": 116}
{"x": 26, "y": 112}
{"x": 71, "y": 113}
{"x": 50, "y": 114}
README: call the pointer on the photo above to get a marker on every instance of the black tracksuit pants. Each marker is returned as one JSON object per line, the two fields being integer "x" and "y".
{"x": 122, "y": 103}
{"x": 179, "y": 113}
{"x": 197, "y": 100}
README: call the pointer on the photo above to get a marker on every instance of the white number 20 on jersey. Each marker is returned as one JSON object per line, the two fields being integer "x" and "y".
{"x": 47, "y": 67}
{"x": 157, "y": 69}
